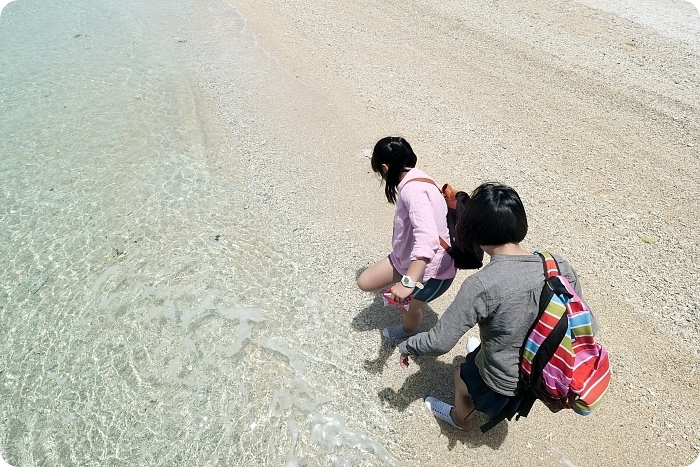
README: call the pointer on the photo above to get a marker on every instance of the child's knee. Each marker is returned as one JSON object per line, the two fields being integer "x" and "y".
{"x": 364, "y": 284}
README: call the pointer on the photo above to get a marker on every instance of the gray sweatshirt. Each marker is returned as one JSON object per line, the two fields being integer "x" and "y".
{"x": 503, "y": 299}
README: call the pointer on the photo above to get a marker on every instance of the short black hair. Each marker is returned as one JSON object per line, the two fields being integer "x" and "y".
{"x": 495, "y": 215}
{"x": 398, "y": 155}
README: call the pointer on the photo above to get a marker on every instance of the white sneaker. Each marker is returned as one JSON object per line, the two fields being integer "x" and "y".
{"x": 441, "y": 410}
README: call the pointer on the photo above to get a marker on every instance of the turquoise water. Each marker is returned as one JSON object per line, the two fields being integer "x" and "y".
{"x": 146, "y": 315}
{"x": 136, "y": 319}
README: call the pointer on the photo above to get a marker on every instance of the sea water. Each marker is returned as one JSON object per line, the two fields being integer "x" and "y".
{"x": 144, "y": 314}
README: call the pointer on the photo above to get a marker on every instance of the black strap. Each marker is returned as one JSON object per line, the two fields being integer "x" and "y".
{"x": 493, "y": 422}
{"x": 524, "y": 402}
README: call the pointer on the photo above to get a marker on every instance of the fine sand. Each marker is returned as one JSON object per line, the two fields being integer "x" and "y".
{"x": 594, "y": 119}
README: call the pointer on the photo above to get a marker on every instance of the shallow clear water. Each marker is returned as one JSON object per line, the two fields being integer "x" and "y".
{"x": 144, "y": 315}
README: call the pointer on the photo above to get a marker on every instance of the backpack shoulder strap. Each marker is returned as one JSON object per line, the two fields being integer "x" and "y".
{"x": 550, "y": 265}
{"x": 423, "y": 179}
{"x": 443, "y": 243}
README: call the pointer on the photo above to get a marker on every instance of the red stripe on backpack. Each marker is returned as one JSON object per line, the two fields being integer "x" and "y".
{"x": 562, "y": 364}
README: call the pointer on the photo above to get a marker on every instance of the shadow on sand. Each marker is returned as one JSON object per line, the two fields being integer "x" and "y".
{"x": 433, "y": 379}
{"x": 376, "y": 317}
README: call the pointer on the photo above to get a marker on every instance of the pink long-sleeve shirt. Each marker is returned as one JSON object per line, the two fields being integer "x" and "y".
{"x": 420, "y": 221}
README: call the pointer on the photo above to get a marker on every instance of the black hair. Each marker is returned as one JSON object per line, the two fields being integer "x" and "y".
{"x": 494, "y": 216}
{"x": 398, "y": 155}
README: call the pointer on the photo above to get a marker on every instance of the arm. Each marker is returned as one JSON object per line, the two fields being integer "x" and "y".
{"x": 425, "y": 235}
{"x": 422, "y": 216}
{"x": 415, "y": 272}
{"x": 467, "y": 309}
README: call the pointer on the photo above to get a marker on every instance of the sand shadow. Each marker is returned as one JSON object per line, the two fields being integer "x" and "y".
{"x": 376, "y": 317}
{"x": 435, "y": 379}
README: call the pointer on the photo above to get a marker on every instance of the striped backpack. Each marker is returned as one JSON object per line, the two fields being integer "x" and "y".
{"x": 561, "y": 363}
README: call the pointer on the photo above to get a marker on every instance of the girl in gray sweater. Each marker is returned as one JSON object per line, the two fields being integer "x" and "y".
{"x": 502, "y": 298}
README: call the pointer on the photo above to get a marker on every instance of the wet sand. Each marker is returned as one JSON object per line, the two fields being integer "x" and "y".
{"x": 593, "y": 118}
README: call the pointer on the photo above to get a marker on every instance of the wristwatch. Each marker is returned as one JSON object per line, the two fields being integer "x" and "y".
{"x": 406, "y": 281}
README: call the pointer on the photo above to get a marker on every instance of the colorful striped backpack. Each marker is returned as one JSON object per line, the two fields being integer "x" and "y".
{"x": 561, "y": 364}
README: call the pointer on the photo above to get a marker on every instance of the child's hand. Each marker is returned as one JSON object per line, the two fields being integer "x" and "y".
{"x": 403, "y": 361}
{"x": 401, "y": 292}
{"x": 390, "y": 299}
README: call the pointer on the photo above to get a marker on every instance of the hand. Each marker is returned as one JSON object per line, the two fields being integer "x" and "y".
{"x": 403, "y": 360}
{"x": 400, "y": 292}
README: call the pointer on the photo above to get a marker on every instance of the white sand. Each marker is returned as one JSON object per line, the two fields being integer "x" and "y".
{"x": 594, "y": 119}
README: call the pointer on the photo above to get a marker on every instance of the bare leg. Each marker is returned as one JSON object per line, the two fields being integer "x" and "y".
{"x": 413, "y": 316}
{"x": 378, "y": 276}
{"x": 463, "y": 413}
{"x": 383, "y": 275}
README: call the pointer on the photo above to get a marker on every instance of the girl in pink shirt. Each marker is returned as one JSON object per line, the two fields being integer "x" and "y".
{"x": 417, "y": 267}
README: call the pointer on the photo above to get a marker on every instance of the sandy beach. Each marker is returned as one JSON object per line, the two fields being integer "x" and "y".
{"x": 593, "y": 118}
{"x": 187, "y": 201}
